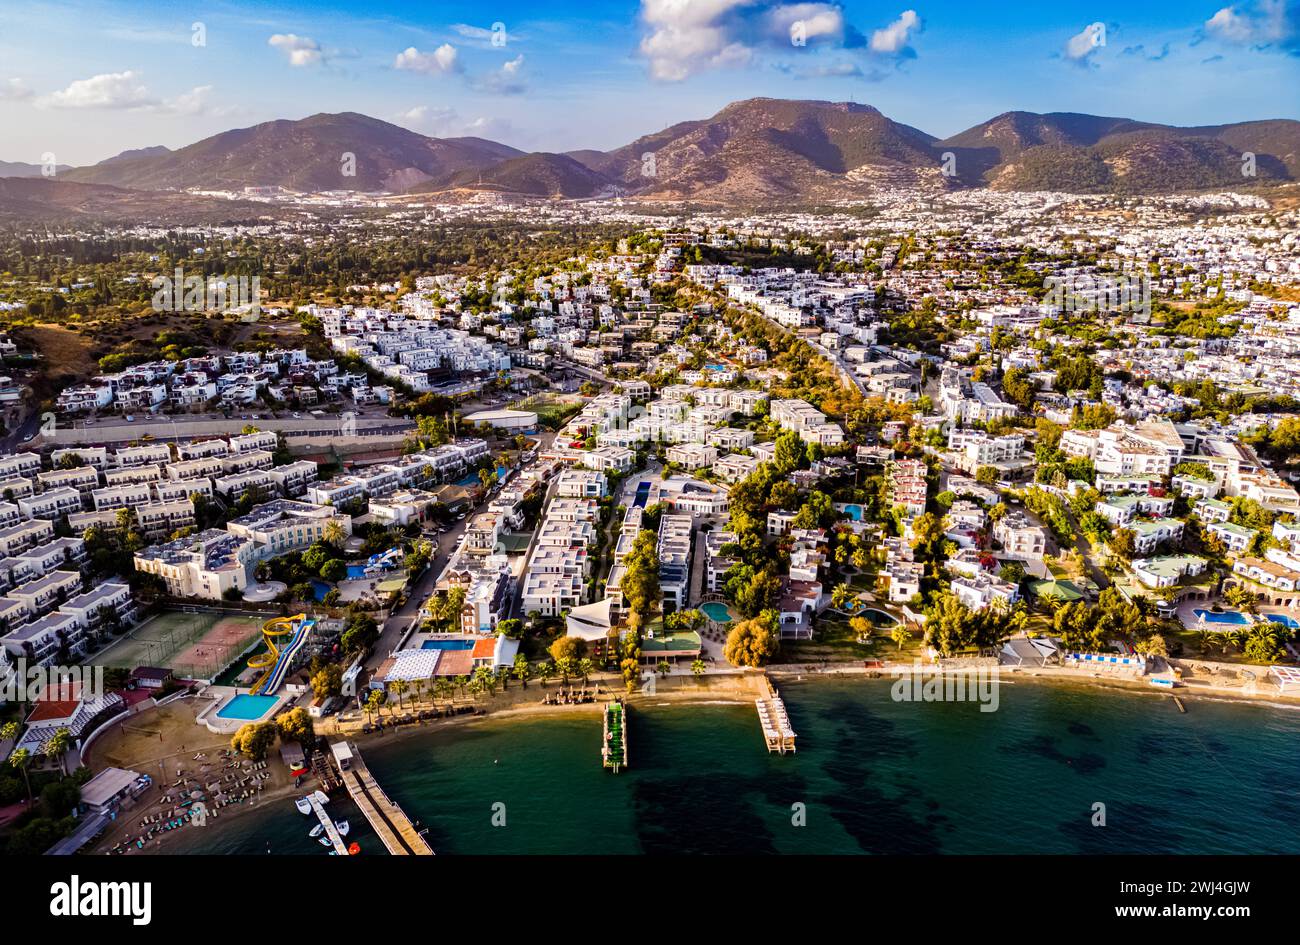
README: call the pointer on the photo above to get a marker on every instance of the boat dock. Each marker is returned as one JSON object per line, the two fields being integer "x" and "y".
{"x": 613, "y": 749}
{"x": 336, "y": 839}
{"x": 389, "y": 822}
{"x": 777, "y": 731}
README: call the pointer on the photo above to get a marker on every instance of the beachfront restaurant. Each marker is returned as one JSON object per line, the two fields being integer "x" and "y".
{"x": 673, "y": 646}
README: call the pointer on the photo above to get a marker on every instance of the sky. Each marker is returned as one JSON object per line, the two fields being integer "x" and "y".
{"x": 82, "y": 82}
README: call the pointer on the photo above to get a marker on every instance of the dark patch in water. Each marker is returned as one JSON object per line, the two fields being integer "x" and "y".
{"x": 1082, "y": 731}
{"x": 1130, "y": 828}
{"x": 1044, "y": 746}
{"x": 709, "y": 814}
{"x": 879, "y": 823}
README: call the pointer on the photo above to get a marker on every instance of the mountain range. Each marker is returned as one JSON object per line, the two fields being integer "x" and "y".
{"x": 759, "y": 150}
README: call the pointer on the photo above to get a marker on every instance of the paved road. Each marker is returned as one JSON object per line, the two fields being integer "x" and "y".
{"x": 18, "y": 440}
{"x": 401, "y": 619}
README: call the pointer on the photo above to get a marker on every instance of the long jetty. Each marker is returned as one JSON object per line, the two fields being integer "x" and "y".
{"x": 389, "y": 822}
{"x": 336, "y": 839}
{"x": 777, "y": 731}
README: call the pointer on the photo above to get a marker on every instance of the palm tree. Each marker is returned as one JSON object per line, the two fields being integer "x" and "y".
{"x": 462, "y": 683}
{"x": 698, "y": 667}
{"x": 545, "y": 672}
{"x": 57, "y": 746}
{"x": 585, "y": 668}
{"x": 521, "y": 669}
{"x": 663, "y": 667}
{"x": 841, "y": 596}
{"x": 900, "y": 635}
{"x": 22, "y": 759}
{"x": 332, "y": 533}
{"x": 373, "y": 701}
{"x": 399, "y": 687}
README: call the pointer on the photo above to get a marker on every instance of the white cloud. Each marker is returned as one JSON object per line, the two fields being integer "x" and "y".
{"x": 1080, "y": 47}
{"x": 300, "y": 50}
{"x": 895, "y": 39}
{"x": 193, "y": 102}
{"x": 108, "y": 90}
{"x": 508, "y": 80}
{"x": 13, "y": 90}
{"x": 436, "y": 121}
{"x": 441, "y": 61}
{"x": 1261, "y": 23}
{"x": 485, "y": 38}
{"x": 126, "y": 90}
{"x": 684, "y": 37}
{"x": 444, "y": 122}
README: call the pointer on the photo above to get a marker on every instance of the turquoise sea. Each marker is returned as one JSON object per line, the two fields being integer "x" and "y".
{"x": 871, "y": 776}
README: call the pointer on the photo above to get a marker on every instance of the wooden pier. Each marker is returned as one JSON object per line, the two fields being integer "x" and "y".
{"x": 613, "y": 749}
{"x": 777, "y": 731}
{"x": 389, "y": 822}
{"x": 336, "y": 839}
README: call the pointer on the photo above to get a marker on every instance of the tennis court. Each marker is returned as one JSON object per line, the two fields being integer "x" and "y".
{"x": 192, "y": 645}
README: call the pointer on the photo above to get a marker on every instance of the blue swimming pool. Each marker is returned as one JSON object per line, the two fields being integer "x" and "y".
{"x": 247, "y": 708}
{"x": 879, "y": 618}
{"x": 854, "y": 512}
{"x": 1229, "y": 617}
{"x": 473, "y": 480}
{"x": 1289, "y": 622}
{"x": 356, "y": 571}
{"x": 447, "y": 645}
{"x": 716, "y": 612}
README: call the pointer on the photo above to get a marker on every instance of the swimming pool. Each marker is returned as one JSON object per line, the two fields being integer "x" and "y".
{"x": 1289, "y": 622}
{"x": 247, "y": 708}
{"x": 447, "y": 645}
{"x": 854, "y": 512}
{"x": 1231, "y": 617}
{"x": 473, "y": 480}
{"x": 879, "y": 617}
{"x": 356, "y": 571}
{"x": 716, "y": 612}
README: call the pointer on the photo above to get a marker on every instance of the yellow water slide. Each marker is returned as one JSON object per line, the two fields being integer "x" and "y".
{"x": 275, "y": 627}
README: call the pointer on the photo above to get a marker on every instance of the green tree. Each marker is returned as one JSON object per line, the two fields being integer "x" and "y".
{"x": 753, "y": 642}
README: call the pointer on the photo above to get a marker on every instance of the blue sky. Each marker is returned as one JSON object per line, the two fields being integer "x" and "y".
{"x": 86, "y": 81}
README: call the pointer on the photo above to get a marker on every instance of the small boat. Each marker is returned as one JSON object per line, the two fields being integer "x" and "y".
{"x": 303, "y": 805}
{"x": 316, "y": 831}
{"x": 342, "y": 826}
{"x": 354, "y": 848}
{"x": 325, "y": 842}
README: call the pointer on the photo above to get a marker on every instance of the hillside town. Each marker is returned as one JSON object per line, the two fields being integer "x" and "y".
{"x": 1027, "y": 431}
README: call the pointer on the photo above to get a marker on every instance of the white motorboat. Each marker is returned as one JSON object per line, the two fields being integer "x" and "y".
{"x": 342, "y": 826}
{"x": 316, "y": 831}
{"x": 325, "y": 842}
{"x": 303, "y": 805}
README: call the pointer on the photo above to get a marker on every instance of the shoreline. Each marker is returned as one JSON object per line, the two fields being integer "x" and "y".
{"x": 1194, "y": 688}
{"x": 735, "y": 687}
